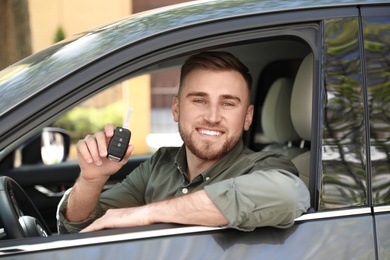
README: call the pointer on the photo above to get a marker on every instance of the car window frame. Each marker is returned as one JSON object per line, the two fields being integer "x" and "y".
{"x": 135, "y": 58}
{"x": 29, "y": 115}
{"x": 142, "y": 56}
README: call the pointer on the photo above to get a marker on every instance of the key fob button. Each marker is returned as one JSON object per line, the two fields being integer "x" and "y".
{"x": 118, "y": 144}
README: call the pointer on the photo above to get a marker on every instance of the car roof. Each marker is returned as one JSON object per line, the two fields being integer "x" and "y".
{"x": 38, "y": 71}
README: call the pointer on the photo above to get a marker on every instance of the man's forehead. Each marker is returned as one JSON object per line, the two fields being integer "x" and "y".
{"x": 201, "y": 80}
{"x": 199, "y": 75}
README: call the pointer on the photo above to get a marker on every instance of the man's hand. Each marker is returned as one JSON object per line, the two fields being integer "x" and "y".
{"x": 120, "y": 218}
{"x": 192, "y": 209}
{"x": 92, "y": 156}
{"x": 95, "y": 171}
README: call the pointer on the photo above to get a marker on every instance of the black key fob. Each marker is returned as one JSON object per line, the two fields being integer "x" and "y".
{"x": 118, "y": 144}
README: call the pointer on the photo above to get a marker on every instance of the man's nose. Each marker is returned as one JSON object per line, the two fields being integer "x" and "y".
{"x": 213, "y": 114}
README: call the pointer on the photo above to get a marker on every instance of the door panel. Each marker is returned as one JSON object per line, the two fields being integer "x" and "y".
{"x": 324, "y": 238}
{"x": 383, "y": 234}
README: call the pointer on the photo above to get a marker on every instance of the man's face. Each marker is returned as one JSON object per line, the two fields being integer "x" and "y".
{"x": 212, "y": 112}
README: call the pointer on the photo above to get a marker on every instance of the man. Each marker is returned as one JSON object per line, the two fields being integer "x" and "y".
{"x": 212, "y": 180}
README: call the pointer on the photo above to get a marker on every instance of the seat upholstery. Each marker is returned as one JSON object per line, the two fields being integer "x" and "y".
{"x": 301, "y": 112}
{"x": 276, "y": 119}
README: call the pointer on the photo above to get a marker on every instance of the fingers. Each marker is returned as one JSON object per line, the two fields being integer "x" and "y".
{"x": 109, "y": 130}
{"x": 119, "y": 218}
{"x": 93, "y": 227}
{"x": 108, "y": 220}
{"x": 88, "y": 148}
{"x": 101, "y": 141}
{"x": 94, "y": 147}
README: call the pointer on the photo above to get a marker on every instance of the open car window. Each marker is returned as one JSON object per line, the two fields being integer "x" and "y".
{"x": 150, "y": 95}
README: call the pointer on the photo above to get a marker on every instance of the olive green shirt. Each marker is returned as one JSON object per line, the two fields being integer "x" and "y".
{"x": 250, "y": 189}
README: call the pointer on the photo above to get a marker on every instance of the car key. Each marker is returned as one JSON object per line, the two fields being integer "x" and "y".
{"x": 119, "y": 142}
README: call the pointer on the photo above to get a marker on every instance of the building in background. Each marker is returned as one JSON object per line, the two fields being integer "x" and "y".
{"x": 143, "y": 5}
{"x": 151, "y": 123}
{"x": 74, "y": 16}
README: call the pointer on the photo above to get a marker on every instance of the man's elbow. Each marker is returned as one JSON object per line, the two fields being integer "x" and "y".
{"x": 296, "y": 197}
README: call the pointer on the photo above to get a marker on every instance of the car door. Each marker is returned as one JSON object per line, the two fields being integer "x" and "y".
{"x": 46, "y": 184}
{"x": 376, "y": 24}
{"x": 339, "y": 223}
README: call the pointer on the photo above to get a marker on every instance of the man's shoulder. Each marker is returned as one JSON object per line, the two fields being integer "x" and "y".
{"x": 265, "y": 154}
{"x": 272, "y": 160}
{"x": 259, "y": 155}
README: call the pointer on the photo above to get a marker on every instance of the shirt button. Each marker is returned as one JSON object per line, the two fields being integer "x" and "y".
{"x": 185, "y": 190}
{"x": 207, "y": 178}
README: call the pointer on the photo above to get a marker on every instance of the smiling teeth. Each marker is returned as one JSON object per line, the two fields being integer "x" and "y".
{"x": 212, "y": 133}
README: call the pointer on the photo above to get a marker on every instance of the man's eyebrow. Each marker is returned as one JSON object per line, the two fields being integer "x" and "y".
{"x": 197, "y": 94}
{"x": 204, "y": 94}
{"x": 231, "y": 97}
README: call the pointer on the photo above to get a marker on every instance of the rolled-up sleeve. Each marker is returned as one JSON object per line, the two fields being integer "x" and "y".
{"x": 261, "y": 198}
{"x": 128, "y": 193}
{"x": 64, "y": 226}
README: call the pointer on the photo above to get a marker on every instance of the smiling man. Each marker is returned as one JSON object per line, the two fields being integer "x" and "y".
{"x": 212, "y": 180}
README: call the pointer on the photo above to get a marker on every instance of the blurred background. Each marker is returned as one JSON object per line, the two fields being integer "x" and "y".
{"x": 28, "y": 26}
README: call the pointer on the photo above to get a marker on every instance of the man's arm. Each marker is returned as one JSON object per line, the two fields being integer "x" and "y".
{"x": 95, "y": 171}
{"x": 192, "y": 209}
{"x": 82, "y": 199}
{"x": 272, "y": 197}
{"x": 262, "y": 198}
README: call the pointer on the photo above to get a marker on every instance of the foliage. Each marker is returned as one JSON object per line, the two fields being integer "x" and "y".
{"x": 60, "y": 35}
{"x": 81, "y": 121}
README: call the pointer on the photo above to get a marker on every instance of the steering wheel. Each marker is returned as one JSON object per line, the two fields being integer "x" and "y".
{"x": 19, "y": 222}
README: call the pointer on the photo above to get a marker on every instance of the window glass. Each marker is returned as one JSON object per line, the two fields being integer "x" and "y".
{"x": 151, "y": 123}
{"x": 344, "y": 179}
{"x": 377, "y": 51}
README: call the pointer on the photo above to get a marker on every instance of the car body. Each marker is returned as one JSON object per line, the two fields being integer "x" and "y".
{"x": 335, "y": 52}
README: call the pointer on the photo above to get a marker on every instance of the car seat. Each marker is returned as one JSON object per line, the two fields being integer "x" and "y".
{"x": 276, "y": 119}
{"x": 301, "y": 112}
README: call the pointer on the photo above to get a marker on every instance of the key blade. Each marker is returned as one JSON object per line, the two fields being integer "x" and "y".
{"x": 126, "y": 123}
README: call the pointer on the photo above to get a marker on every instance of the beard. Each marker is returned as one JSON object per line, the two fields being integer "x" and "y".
{"x": 206, "y": 150}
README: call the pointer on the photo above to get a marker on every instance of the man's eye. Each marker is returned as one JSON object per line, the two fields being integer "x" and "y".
{"x": 228, "y": 104}
{"x": 200, "y": 101}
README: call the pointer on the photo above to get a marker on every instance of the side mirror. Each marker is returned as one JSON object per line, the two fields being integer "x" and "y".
{"x": 51, "y": 146}
{"x": 55, "y": 145}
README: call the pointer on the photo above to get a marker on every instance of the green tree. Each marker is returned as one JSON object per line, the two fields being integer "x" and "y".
{"x": 60, "y": 35}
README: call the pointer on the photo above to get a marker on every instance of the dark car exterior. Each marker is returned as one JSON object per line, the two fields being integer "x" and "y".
{"x": 342, "y": 120}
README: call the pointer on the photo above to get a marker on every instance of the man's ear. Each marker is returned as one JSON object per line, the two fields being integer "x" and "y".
{"x": 248, "y": 117}
{"x": 175, "y": 108}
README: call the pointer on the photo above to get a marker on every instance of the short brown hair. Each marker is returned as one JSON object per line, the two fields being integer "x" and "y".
{"x": 217, "y": 61}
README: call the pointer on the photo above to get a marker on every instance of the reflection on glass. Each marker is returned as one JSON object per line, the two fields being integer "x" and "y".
{"x": 343, "y": 155}
{"x": 377, "y": 50}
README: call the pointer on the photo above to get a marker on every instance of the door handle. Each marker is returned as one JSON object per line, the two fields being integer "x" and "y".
{"x": 48, "y": 193}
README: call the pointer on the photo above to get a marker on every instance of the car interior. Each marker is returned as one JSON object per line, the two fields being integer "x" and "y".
{"x": 286, "y": 117}
{"x": 282, "y": 71}
{"x": 282, "y": 74}
{"x": 283, "y": 96}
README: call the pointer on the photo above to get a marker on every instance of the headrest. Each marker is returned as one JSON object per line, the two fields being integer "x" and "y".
{"x": 275, "y": 116}
{"x": 301, "y": 98}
